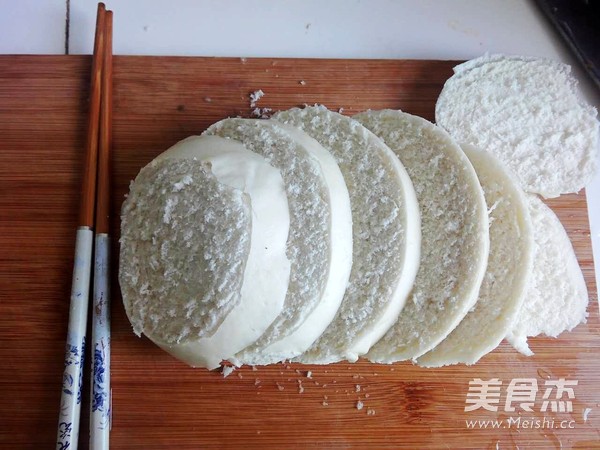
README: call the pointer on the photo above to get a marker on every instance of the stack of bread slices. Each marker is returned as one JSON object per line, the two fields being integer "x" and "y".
{"x": 316, "y": 237}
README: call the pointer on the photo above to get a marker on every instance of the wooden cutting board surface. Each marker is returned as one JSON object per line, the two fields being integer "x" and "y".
{"x": 158, "y": 402}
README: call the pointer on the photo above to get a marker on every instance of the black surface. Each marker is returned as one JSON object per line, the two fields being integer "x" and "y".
{"x": 578, "y": 22}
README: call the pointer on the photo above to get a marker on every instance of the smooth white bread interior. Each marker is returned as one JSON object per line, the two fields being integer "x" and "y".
{"x": 455, "y": 237}
{"x": 527, "y": 112}
{"x": 320, "y": 240}
{"x": 508, "y": 271}
{"x": 557, "y": 297}
{"x": 386, "y": 233}
{"x": 203, "y": 265}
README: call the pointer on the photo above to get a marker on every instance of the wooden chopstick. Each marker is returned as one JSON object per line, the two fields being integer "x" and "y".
{"x": 70, "y": 404}
{"x": 100, "y": 390}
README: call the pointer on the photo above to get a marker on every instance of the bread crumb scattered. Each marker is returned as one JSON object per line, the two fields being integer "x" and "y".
{"x": 370, "y": 412}
{"x": 357, "y": 388}
{"x": 279, "y": 387}
{"x": 300, "y": 387}
{"x": 207, "y": 99}
{"x": 302, "y": 82}
{"x": 240, "y": 375}
{"x": 256, "y": 382}
{"x": 255, "y": 97}
{"x": 262, "y": 113}
{"x": 359, "y": 405}
{"x": 243, "y": 60}
{"x": 325, "y": 402}
{"x": 227, "y": 370}
{"x": 309, "y": 374}
{"x": 367, "y": 395}
{"x": 254, "y": 369}
{"x": 341, "y": 110}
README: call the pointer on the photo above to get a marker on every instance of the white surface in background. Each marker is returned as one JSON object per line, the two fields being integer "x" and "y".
{"x": 32, "y": 26}
{"x": 424, "y": 29}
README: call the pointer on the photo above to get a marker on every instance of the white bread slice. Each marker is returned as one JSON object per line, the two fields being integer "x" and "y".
{"x": 386, "y": 233}
{"x": 508, "y": 271}
{"x": 203, "y": 268}
{"x": 320, "y": 240}
{"x": 526, "y": 111}
{"x": 557, "y": 297}
{"x": 455, "y": 237}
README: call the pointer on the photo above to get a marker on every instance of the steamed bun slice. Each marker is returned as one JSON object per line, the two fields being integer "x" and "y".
{"x": 455, "y": 236}
{"x": 386, "y": 233}
{"x": 508, "y": 270}
{"x": 320, "y": 239}
{"x": 203, "y": 265}
{"x": 557, "y": 297}
{"x": 527, "y": 113}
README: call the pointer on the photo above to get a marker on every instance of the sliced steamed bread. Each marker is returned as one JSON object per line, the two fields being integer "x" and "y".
{"x": 527, "y": 113}
{"x": 508, "y": 271}
{"x": 386, "y": 233}
{"x": 557, "y": 297}
{"x": 203, "y": 265}
{"x": 320, "y": 239}
{"x": 455, "y": 237}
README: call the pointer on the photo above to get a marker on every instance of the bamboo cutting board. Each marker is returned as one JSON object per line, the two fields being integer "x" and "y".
{"x": 158, "y": 402}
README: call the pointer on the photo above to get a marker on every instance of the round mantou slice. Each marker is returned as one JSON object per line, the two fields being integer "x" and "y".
{"x": 386, "y": 233}
{"x": 203, "y": 266}
{"x": 527, "y": 112}
{"x": 508, "y": 270}
{"x": 557, "y": 296}
{"x": 454, "y": 227}
{"x": 320, "y": 240}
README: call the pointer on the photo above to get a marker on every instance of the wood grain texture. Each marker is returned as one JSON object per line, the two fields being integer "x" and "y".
{"x": 158, "y": 402}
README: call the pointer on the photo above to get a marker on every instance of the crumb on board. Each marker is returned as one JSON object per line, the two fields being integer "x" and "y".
{"x": 263, "y": 113}
{"x": 357, "y": 388}
{"x": 254, "y": 369}
{"x": 227, "y": 370}
{"x": 279, "y": 387}
{"x": 240, "y": 375}
{"x": 359, "y": 405}
{"x": 302, "y": 83}
{"x": 309, "y": 374}
{"x": 256, "y": 382}
{"x": 255, "y": 97}
{"x": 325, "y": 402}
{"x": 586, "y": 413}
{"x": 243, "y": 60}
{"x": 341, "y": 110}
{"x": 367, "y": 395}
{"x": 207, "y": 99}
{"x": 370, "y": 412}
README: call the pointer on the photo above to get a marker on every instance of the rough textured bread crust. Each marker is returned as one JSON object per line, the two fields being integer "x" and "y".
{"x": 320, "y": 240}
{"x": 386, "y": 233}
{"x": 557, "y": 297}
{"x": 454, "y": 226}
{"x": 203, "y": 268}
{"x": 508, "y": 271}
{"x": 526, "y": 112}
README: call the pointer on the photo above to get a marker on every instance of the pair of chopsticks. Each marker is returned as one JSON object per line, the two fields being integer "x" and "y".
{"x": 93, "y": 217}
